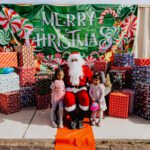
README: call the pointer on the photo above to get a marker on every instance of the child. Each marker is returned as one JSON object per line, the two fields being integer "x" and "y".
{"x": 58, "y": 92}
{"x": 97, "y": 94}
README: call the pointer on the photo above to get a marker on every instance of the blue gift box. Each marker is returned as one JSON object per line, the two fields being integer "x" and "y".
{"x": 141, "y": 74}
{"x": 142, "y": 100}
{"x": 124, "y": 59}
{"x": 27, "y": 96}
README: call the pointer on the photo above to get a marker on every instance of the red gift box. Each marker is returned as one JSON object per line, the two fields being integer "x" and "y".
{"x": 142, "y": 61}
{"x": 131, "y": 94}
{"x": 119, "y": 104}
{"x": 10, "y": 102}
{"x": 26, "y": 71}
{"x": 27, "y": 81}
{"x": 100, "y": 66}
{"x": 27, "y": 76}
{"x": 25, "y": 56}
{"x": 42, "y": 101}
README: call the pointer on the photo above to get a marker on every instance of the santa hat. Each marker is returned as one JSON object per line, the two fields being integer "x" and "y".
{"x": 74, "y": 55}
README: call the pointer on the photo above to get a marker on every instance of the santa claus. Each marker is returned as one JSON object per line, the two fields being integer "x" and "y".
{"x": 77, "y": 75}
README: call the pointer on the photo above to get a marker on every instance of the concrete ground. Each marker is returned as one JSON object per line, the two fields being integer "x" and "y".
{"x": 31, "y": 124}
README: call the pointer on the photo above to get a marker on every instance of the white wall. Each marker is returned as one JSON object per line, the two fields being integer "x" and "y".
{"x": 71, "y": 2}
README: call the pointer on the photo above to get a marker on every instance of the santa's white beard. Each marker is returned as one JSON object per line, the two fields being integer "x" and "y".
{"x": 75, "y": 72}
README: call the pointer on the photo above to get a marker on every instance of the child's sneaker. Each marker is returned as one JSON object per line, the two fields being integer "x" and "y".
{"x": 61, "y": 125}
{"x": 54, "y": 125}
{"x": 93, "y": 123}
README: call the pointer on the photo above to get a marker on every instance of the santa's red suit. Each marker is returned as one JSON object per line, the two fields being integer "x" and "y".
{"x": 77, "y": 93}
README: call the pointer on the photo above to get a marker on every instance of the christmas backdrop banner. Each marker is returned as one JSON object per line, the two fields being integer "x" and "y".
{"x": 96, "y": 31}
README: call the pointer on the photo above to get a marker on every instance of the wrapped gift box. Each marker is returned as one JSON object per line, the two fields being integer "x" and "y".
{"x": 141, "y": 73}
{"x": 121, "y": 68}
{"x": 8, "y": 59}
{"x": 118, "y": 78}
{"x": 42, "y": 101}
{"x": 10, "y": 102}
{"x": 142, "y": 61}
{"x": 132, "y": 96}
{"x": 25, "y": 56}
{"x": 9, "y": 82}
{"x": 44, "y": 75}
{"x": 26, "y": 71}
{"x": 27, "y": 96}
{"x": 100, "y": 66}
{"x": 128, "y": 75}
{"x": 124, "y": 59}
{"x": 27, "y": 76}
{"x": 43, "y": 82}
{"x": 119, "y": 104}
{"x": 142, "y": 100}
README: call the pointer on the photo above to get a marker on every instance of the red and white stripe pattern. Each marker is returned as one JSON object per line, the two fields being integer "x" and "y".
{"x": 89, "y": 61}
{"x": 142, "y": 61}
{"x": 106, "y": 12}
{"x": 41, "y": 56}
{"x": 10, "y": 20}
{"x": 58, "y": 60}
{"x": 31, "y": 43}
{"x": 94, "y": 53}
{"x": 26, "y": 28}
{"x": 129, "y": 25}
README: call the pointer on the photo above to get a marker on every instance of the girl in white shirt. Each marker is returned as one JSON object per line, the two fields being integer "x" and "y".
{"x": 97, "y": 94}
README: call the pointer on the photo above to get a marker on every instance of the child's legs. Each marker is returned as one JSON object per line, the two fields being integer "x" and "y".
{"x": 94, "y": 115}
{"x": 100, "y": 115}
{"x": 61, "y": 111}
{"x": 53, "y": 109}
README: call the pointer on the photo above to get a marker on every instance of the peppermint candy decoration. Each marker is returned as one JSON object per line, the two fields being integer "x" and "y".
{"x": 10, "y": 20}
{"x": 4, "y": 37}
{"x": 105, "y": 44}
{"x": 129, "y": 25}
{"x": 30, "y": 43}
{"x": 94, "y": 53}
{"x": 89, "y": 61}
{"x": 122, "y": 41}
{"x": 40, "y": 56}
{"x": 100, "y": 49}
{"x": 25, "y": 29}
{"x": 58, "y": 60}
{"x": 8, "y": 48}
{"x": 106, "y": 12}
{"x": 48, "y": 58}
{"x": 121, "y": 7}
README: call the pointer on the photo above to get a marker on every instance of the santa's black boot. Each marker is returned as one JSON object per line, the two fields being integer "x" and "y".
{"x": 73, "y": 124}
{"x": 81, "y": 115}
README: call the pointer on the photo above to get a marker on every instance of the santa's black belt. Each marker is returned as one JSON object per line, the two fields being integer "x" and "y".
{"x": 77, "y": 87}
